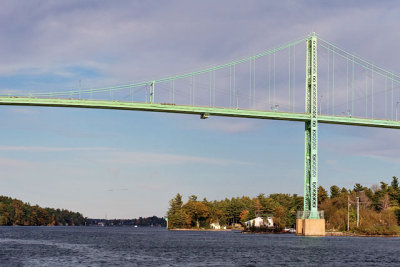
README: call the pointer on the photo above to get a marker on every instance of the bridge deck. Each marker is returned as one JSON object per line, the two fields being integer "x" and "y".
{"x": 212, "y": 111}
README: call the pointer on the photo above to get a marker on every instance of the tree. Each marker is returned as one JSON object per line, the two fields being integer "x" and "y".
{"x": 198, "y": 213}
{"x": 244, "y": 216}
{"x": 177, "y": 218}
{"x": 395, "y": 183}
{"x": 335, "y": 191}
{"x": 322, "y": 195}
{"x": 385, "y": 202}
{"x": 394, "y": 192}
{"x": 258, "y": 209}
{"x": 358, "y": 188}
{"x": 384, "y": 186}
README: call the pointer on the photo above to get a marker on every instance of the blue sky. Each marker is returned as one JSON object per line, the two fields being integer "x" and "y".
{"x": 123, "y": 164}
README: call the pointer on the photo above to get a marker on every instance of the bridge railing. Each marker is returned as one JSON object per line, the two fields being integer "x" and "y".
{"x": 307, "y": 215}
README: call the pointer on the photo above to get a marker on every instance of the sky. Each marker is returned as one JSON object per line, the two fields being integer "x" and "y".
{"x": 126, "y": 164}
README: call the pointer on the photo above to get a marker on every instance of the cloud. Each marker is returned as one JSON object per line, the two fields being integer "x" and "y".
{"x": 10, "y": 163}
{"x": 379, "y": 144}
{"x": 123, "y": 44}
{"x": 51, "y": 149}
{"x": 162, "y": 159}
{"x": 112, "y": 155}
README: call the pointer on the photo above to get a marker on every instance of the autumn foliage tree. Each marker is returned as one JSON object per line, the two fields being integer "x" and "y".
{"x": 379, "y": 209}
{"x": 16, "y": 212}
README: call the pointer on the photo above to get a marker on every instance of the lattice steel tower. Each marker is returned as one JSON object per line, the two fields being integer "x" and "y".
{"x": 311, "y": 133}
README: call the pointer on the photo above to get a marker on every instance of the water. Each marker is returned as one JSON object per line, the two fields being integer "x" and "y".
{"x": 126, "y": 246}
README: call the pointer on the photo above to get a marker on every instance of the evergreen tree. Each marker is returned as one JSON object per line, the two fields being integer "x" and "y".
{"x": 335, "y": 191}
{"x": 177, "y": 218}
{"x": 322, "y": 195}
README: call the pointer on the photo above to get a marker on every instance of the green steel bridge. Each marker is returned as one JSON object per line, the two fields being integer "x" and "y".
{"x": 341, "y": 88}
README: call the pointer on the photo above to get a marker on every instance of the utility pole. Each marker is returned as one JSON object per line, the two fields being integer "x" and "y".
{"x": 348, "y": 213}
{"x": 358, "y": 211}
{"x": 397, "y": 105}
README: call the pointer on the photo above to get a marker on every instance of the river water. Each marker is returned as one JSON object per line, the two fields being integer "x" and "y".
{"x": 128, "y": 246}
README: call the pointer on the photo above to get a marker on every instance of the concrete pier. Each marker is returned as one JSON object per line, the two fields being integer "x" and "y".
{"x": 310, "y": 227}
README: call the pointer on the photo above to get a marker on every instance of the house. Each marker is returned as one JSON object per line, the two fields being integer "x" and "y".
{"x": 260, "y": 221}
{"x": 215, "y": 225}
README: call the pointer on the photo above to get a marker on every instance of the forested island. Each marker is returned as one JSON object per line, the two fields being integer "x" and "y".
{"x": 16, "y": 212}
{"x": 379, "y": 209}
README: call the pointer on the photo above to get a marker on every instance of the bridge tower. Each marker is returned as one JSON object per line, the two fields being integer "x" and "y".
{"x": 309, "y": 222}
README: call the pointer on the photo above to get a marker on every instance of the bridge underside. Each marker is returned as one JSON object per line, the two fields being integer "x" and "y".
{"x": 197, "y": 110}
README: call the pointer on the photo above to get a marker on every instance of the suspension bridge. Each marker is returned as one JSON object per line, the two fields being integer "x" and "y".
{"x": 340, "y": 88}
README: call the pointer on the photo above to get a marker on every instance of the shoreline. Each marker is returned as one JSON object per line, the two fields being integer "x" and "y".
{"x": 356, "y": 235}
{"x": 344, "y": 234}
{"x": 205, "y": 230}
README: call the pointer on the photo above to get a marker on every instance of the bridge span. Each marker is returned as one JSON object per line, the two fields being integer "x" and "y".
{"x": 344, "y": 89}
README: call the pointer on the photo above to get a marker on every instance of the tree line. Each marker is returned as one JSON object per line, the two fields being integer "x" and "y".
{"x": 16, "y": 212}
{"x": 379, "y": 208}
{"x": 148, "y": 221}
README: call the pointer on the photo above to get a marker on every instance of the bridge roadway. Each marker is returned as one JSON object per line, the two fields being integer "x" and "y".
{"x": 199, "y": 110}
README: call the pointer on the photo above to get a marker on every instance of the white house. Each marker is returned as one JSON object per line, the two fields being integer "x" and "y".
{"x": 259, "y": 221}
{"x": 215, "y": 225}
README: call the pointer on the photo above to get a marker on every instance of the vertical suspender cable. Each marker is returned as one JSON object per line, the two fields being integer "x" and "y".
{"x": 173, "y": 91}
{"x": 170, "y": 92}
{"x": 392, "y": 98}
{"x": 193, "y": 88}
{"x": 289, "y": 79}
{"x": 352, "y": 85}
{"x": 214, "y": 89}
{"x": 327, "y": 95}
{"x": 269, "y": 80}
{"x": 347, "y": 86}
{"x": 234, "y": 86}
{"x": 366, "y": 93}
{"x": 210, "y": 87}
{"x": 250, "y": 84}
{"x": 145, "y": 92}
{"x": 294, "y": 77}
{"x": 230, "y": 86}
{"x": 274, "y": 82}
{"x": 254, "y": 83}
{"x": 372, "y": 88}
{"x": 385, "y": 97}
{"x": 333, "y": 82}
{"x": 190, "y": 89}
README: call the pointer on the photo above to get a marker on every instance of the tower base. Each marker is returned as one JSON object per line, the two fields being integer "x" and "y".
{"x": 310, "y": 227}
